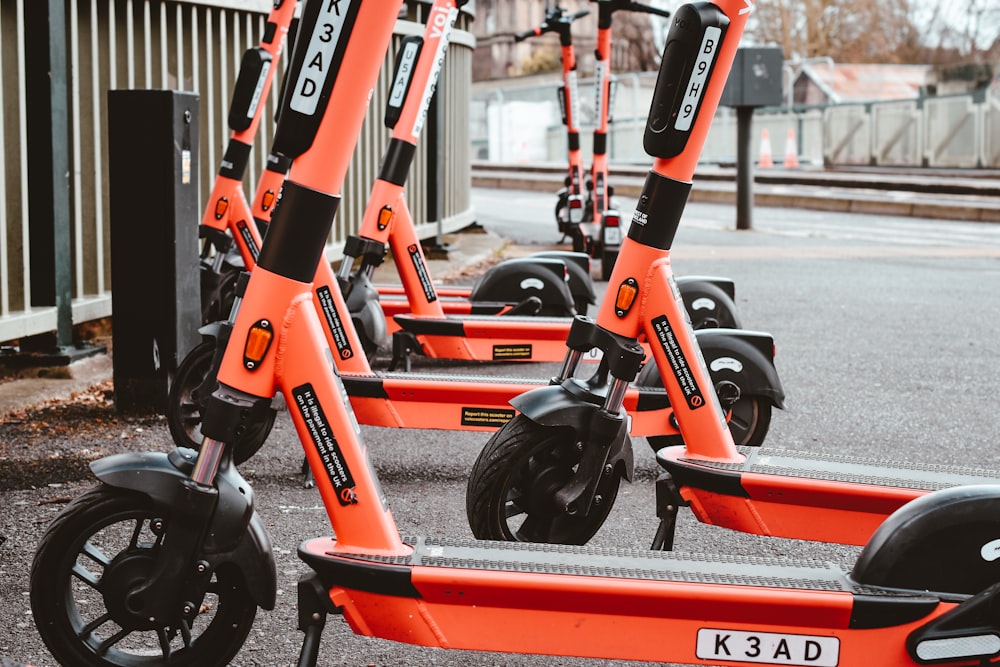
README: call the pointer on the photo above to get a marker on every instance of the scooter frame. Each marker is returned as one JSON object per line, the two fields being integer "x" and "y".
{"x": 604, "y": 603}
{"x": 558, "y": 21}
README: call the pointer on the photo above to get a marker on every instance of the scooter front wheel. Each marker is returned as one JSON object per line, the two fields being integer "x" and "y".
{"x": 187, "y": 398}
{"x": 512, "y": 486}
{"x": 87, "y": 570}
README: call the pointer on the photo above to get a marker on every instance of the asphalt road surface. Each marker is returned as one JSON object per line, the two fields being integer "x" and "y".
{"x": 886, "y": 345}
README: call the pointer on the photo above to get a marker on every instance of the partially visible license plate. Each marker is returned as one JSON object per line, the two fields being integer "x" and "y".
{"x": 768, "y": 648}
{"x": 612, "y": 236}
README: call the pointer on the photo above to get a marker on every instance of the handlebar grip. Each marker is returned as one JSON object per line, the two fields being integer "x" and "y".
{"x": 521, "y": 36}
{"x": 579, "y": 15}
{"x": 648, "y": 9}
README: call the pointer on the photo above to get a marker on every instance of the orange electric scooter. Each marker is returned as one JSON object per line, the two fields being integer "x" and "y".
{"x": 766, "y": 490}
{"x": 167, "y": 561}
{"x": 744, "y": 370}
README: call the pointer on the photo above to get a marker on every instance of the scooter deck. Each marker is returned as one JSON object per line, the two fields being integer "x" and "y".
{"x": 622, "y": 603}
{"x": 807, "y": 495}
{"x": 473, "y": 403}
{"x": 489, "y": 337}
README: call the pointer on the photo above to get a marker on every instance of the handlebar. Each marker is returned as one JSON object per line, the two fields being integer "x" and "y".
{"x": 629, "y": 6}
{"x": 556, "y": 20}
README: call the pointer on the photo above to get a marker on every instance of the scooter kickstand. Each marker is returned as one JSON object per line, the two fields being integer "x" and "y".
{"x": 668, "y": 503}
{"x": 314, "y": 606}
{"x": 308, "y": 481}
{"x": 404, "y": 344}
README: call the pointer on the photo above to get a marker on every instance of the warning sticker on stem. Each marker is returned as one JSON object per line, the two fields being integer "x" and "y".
{"x": 422, "y": 274}
{"x": 333, "y": 322}
{"x": 678, "y": 362}
{"x": 322, "y": 436}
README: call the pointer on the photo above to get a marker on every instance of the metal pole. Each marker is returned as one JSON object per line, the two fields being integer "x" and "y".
{"x": 48, "y": 164}
{"x": 744, "y": 168}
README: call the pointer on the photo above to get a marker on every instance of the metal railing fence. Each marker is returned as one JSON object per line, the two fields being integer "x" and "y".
{"x": 520, "y": 122}
{"x": 196, "y": 46}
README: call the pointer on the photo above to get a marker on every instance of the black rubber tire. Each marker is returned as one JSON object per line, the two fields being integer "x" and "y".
{"x": 218, "y": 291}
{"x": 82, "y": 544}
{"x": 514, "y": 476}
{"x": 186, "y": 400}
{"x": 749, "y": 417}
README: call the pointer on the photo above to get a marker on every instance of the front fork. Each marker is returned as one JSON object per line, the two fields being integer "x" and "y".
{"x": 600, "y": 421}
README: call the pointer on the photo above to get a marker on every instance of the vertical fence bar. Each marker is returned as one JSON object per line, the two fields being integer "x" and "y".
{"x": 189, "y": 46}
{"x": 48, "y": 166}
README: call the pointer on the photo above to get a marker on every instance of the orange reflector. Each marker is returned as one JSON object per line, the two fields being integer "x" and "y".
{"x": 384, "y": 217}
{"x": 221, "y": 206}
{"x": 627, "y": 292}
{"x": 258, "y": 340}
{"x": 267, "y": 200}
{"x": 626, "y": 295}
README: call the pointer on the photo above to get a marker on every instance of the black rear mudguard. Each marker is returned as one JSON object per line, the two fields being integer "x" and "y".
{"x": 518, "y": 279}
{"x": 581, "y": 285}
{"x": 572, "y": 405}
{"x": 745, "y": 358}
{"x": 709, "y": 301}
{"x": 947, "y": 541}
{"x": 235, "y": 536}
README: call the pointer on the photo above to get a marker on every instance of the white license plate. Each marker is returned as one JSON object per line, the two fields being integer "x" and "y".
{"x": 768, "y": 648}
{"x": 612, "y": 236}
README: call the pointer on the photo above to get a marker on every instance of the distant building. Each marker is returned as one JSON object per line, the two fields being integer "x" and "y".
{"x": 835, "y": 83}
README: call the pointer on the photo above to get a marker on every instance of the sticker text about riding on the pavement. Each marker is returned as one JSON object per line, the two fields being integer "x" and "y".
{"x": 422, "y": 274}
{"x": 334, "y": 323}
{"x": 678, "y": 362}
{"x": 511, "y": 352}
{"x": 322, "y": 436}
{"x": 490, "y": 417}
{"x": 247, "y": 235}
{"x": 770, "y": 648}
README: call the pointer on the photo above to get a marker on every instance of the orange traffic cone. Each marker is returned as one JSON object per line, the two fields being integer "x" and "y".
{"x": 791, "y": 151}
{"x": 765, "y": 150}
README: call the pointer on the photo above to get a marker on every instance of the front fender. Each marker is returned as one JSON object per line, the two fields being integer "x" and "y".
{"x": 557, "y": 405}
{"x": 236, "y": 535}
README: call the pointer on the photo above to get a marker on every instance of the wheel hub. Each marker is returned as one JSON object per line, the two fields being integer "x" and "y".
{"x": 121, "y": 587}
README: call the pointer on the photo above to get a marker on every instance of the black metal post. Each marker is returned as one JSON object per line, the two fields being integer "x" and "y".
{"x": 155, "y": 209}
{"x": 744, "y": 168}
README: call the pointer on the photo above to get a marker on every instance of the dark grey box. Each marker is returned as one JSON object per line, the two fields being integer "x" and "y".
{"x": 755, "y": 79}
